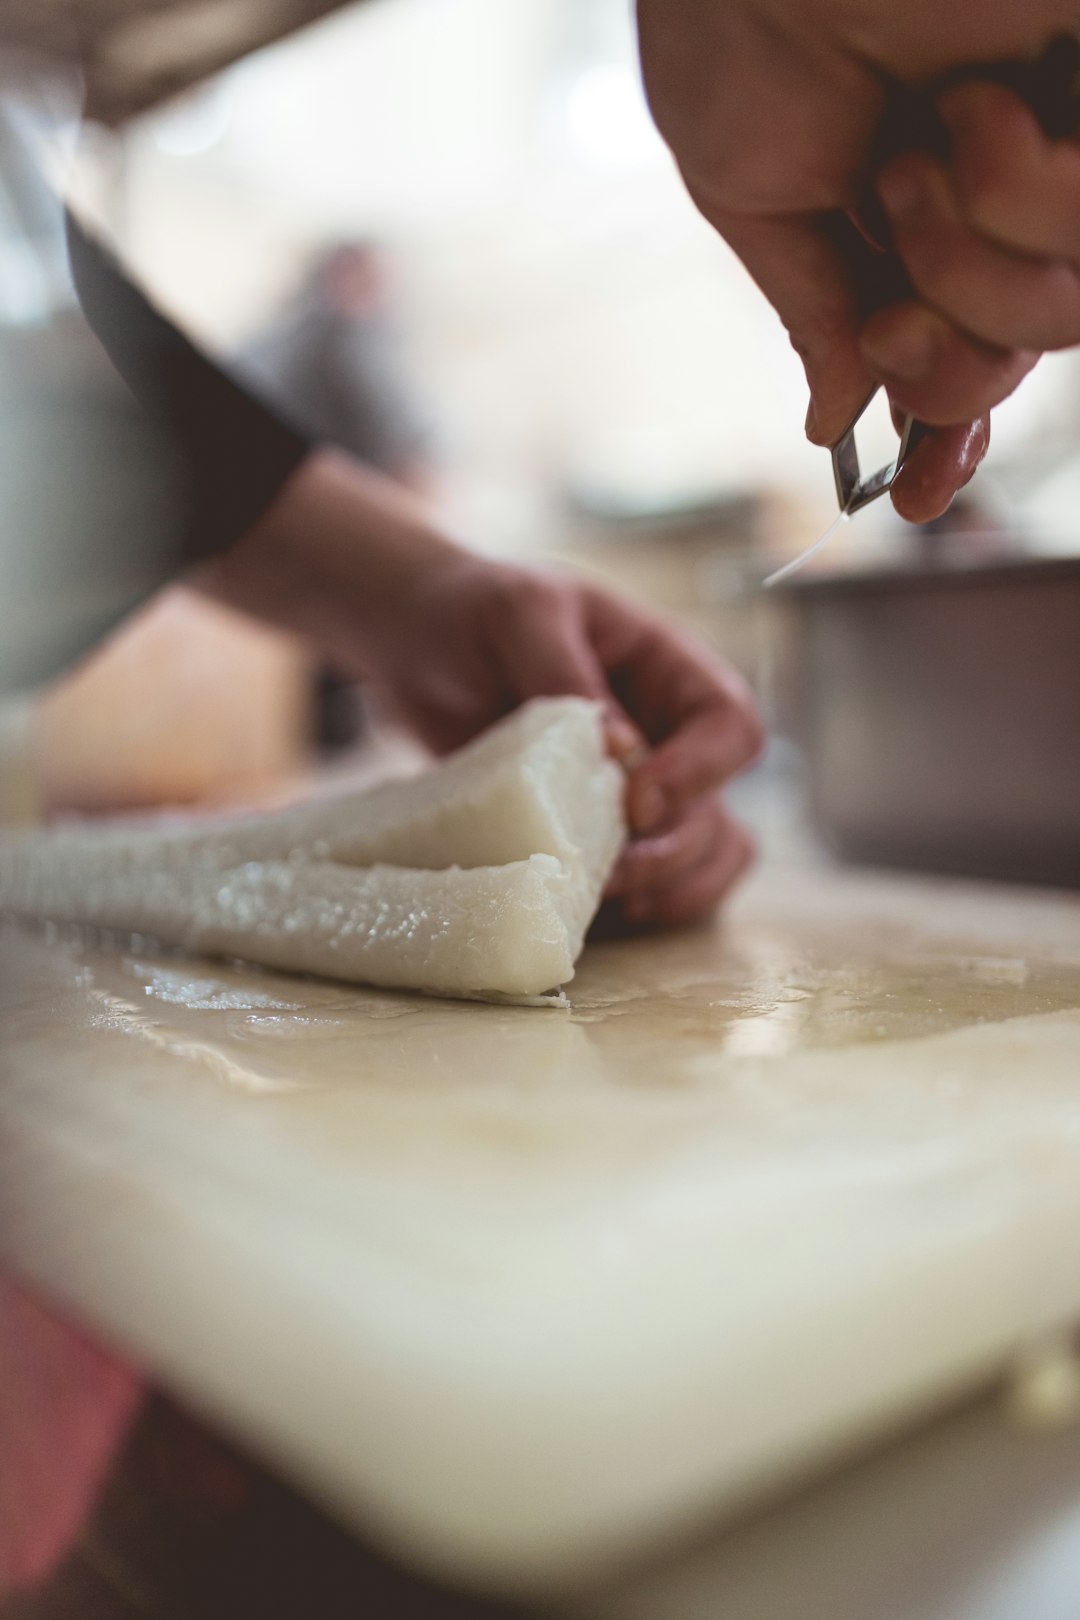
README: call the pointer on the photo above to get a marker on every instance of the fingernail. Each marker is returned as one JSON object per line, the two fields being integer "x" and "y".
{"x": 908, "y": 352}
{"x": 901, "y": 191}
{"x": 649, "y": 807}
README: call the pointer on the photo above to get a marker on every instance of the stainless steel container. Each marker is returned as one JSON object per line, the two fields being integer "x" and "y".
{"x": 939, "y": 716}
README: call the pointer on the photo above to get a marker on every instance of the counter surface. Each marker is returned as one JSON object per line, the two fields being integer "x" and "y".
{"x": 519, "y": 1292}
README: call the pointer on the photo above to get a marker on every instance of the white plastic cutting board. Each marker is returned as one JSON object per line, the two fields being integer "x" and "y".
{"x": 518, "y": 1292}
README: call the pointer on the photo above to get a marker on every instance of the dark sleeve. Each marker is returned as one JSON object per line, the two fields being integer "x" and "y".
{"x": 235, "y": 452}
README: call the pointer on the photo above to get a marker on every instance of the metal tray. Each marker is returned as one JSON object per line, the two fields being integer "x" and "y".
{"x": 938, "y": 713}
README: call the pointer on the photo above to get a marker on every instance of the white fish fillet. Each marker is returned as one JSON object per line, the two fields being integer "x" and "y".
{"x": 477, "y": 879}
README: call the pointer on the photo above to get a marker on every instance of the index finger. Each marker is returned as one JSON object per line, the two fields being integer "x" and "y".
{"x": 704, "y": 753}
{"x": 694, "y": 710}
{"x": 800, "y": 266}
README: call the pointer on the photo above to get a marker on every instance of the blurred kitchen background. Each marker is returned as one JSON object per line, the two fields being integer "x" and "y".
{"x": 581, "y": 370}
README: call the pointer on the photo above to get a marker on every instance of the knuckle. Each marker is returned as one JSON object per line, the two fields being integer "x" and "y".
{"x": 930, "y": 259}
{"x": 827, "y": 329}
{"x": 744, "y": 727}
{"x": 515, "y": 595}
{"x": 991, "y": 198}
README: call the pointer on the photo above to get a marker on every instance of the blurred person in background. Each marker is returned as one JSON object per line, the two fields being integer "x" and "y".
{"x": 334, "y": 358}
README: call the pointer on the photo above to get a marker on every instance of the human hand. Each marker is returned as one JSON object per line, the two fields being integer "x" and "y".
{"x": 681, "y": 722}
{"x": 991, "y": 240}
{"x": 771, "y": 111}
{"x": 453, "y": 642}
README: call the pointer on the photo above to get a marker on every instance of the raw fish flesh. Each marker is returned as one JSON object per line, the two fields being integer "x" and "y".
{"x": 478, "y": 878}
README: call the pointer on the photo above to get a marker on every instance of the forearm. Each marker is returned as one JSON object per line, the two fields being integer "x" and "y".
{"x": 333, "y": 556}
